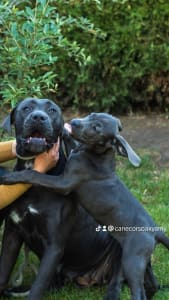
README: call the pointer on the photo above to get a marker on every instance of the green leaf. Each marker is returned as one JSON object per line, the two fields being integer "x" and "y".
{"x": 14, "y": 30}
{"x": 43, "y": 2}
{"x": 29, "y": 12}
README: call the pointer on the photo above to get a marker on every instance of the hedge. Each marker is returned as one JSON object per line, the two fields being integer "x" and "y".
{"x": 87, "y": 54}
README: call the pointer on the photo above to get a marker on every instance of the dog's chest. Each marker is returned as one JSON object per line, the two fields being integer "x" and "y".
{"x": 20, "y": 216}
{"x": 24, "y": 164}
{"x": 24, "y": 211}
{"x": 28, "y": 164}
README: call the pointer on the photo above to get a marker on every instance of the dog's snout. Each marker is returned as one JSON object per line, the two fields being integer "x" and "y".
{"x": 39, "y": 117}
{"x": 75, "y": 122}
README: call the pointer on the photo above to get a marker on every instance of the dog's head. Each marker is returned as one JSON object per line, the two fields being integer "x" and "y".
{"x": 100, "y": 132}
{"x": 38, "y": 124}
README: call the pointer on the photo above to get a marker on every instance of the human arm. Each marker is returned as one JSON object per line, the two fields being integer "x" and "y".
{"x": 43, "y": 162}
{"x": 7, "y": 150}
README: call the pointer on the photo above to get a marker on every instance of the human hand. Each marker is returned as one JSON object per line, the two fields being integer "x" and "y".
{"x": 47, "y": 160}
{"x": 14, "y": 148}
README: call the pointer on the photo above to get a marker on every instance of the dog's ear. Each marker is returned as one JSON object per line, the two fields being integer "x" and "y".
{"x": 8, "y": 121}
{"x": 124, "y": 149}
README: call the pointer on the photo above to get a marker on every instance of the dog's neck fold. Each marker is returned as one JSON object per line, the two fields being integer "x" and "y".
{"x": 99, "y": 156}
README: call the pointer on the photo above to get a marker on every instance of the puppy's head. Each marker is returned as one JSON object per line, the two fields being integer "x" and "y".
{"x": 100, "y": 132}
{"x": 37, "y": 122}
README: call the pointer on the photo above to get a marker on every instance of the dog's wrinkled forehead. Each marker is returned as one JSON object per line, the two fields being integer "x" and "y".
{"x": 30, "y": 104}
{"x": 110, "y": 123}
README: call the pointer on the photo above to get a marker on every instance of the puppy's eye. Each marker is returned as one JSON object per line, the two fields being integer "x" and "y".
{"x": 96, "y": 127}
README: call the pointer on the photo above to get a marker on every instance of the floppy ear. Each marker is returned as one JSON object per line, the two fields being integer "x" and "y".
{"x": 124, "y": 149}
{"x": 8, "y": 121}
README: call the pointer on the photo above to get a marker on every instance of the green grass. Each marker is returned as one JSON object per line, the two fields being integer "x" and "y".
{"x": 151, "y": 186}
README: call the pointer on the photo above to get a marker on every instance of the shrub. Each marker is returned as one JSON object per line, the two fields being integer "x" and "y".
{"x": 95, "y": 54}
{"x": 35, "y": 53}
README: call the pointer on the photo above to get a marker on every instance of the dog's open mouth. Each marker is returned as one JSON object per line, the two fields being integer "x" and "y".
{"x": 36, "y": 138}
{"x": 36, "y": 142}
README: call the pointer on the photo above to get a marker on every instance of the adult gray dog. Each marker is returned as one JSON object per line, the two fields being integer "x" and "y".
{"x": 90, "y": 173}
{"x": 44, "y": 221}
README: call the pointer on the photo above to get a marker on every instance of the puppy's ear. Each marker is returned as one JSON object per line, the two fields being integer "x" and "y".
{"x": 8, "y": 121}
{"x": 124, "y": 149}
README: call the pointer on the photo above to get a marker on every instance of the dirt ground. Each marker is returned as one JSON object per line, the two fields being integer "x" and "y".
{"x": 149, "y": 132}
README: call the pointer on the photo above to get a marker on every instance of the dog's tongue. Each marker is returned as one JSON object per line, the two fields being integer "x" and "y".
{"x": 36, "y": 145}
{"x": 36, "y": 141}
{"x": 68, "y": 127}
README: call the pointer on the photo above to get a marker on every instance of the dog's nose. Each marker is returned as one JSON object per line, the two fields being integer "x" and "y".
{"x": 39, "y": 116}
{"x": 75, "y": 122}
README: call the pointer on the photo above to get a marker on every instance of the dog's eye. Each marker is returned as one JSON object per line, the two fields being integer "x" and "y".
{"x": 96, "y": 126}
{"x": 52, "y": 110}
{"x": 27, "y": 109}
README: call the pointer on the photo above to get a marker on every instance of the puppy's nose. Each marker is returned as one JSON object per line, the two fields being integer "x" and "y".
{"x": 39, "y": 116}
{"x": 75, "y": 122}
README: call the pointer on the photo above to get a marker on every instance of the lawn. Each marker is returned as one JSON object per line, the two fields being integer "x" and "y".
{"x": 151, "y": 186}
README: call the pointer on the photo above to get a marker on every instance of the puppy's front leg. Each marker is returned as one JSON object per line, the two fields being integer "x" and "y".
{"x": 64, "y": 183}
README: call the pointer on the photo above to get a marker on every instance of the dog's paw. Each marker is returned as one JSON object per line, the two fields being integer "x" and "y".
{"x": 1, "y": 180}
{"x": 17, "y": 292}
{"x": 10, "y": 178}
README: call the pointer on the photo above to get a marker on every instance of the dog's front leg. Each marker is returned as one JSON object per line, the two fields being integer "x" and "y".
{"x": 11, "y": 245}
{"x": 47, "y": 270}
{"x": 63, "y": 184}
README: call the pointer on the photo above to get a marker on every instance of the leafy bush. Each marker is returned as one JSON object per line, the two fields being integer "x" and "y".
{"x": 35, "y": 53}
{"x": 95, "y": 54}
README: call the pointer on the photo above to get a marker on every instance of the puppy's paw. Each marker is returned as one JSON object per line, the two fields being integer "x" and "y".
{"x": 1, "y": 180}
{"x": 10, "y": 178}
